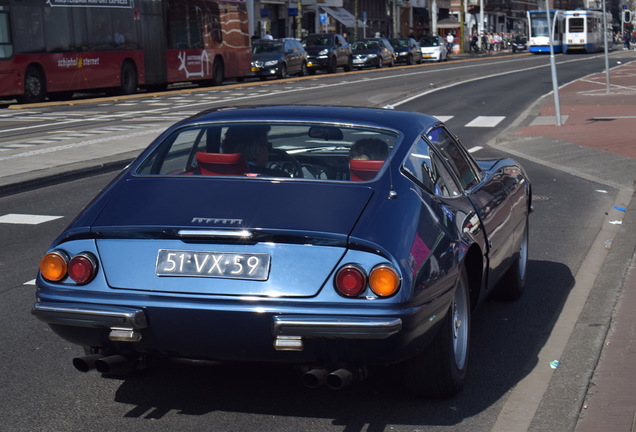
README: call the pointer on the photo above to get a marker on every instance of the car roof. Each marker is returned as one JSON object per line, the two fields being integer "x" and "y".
{"x": 408, "y": 122}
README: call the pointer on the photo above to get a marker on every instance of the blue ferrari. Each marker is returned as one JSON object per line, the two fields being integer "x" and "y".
{"x": 335, "y": 239}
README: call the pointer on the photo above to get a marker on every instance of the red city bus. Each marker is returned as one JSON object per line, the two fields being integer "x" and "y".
{"x": 56, "y": 47}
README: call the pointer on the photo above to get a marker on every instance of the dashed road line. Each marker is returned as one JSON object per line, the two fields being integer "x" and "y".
{"x": 26, "y": 219}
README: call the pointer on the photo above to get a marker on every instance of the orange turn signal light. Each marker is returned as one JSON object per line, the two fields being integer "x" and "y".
{"x": 54, "y": 265}
{"x": 384, "y": 280}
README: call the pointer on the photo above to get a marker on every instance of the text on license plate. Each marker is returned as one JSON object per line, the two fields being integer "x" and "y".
{"x": 229, "y": 265}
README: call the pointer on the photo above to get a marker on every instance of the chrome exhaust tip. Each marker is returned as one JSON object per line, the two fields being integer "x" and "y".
{"x": 86, "y": 363}
{"x": 315, "y": 378}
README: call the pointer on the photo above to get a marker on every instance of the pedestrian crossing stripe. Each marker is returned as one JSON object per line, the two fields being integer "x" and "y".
{"x": 26, "y": 219}
{"x": 485, "y": 121}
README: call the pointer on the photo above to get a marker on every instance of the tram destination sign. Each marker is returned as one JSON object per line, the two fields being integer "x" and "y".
{"x": 92, "y": 3}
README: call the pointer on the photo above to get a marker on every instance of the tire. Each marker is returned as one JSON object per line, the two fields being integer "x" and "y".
{"x": 409, "y": 60}
{"x": 283, "y": 72}
{"x": 303, "y": 70}
{"x": 333, "y": 65}
{"x": 513, "y": 283}
{"x": 440, "y": 371}
{"x": 128, "y": 79}
{"x": 380, "y": 63}
{"x": 218, "y": 73}
{"x": 34, "y": 86}
{"x": 349, "y": 66}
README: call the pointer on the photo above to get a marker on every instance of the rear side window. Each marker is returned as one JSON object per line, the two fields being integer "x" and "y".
{"x": 425, "y": 167}
{"x": 459, "y": 161}
{"x": 288, "y": 150}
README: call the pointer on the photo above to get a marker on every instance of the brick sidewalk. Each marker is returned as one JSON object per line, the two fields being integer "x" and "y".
{"x": 584, "y": 104}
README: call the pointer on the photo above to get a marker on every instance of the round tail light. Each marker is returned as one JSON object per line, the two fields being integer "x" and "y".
{"x": 82, "y": 268}
{"x": 384, "y": 280}
{"x": 350, "y": 280}
{"x": 54, "y": 265}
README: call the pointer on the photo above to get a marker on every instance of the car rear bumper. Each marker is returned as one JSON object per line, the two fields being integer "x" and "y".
{"x": 96, "y": 316}
{"x": 248, "y": 335}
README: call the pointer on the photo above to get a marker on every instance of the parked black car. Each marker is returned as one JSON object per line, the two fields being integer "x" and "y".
{"x": 327, "y": 51}
{"x": 279, "y": 58}
{"x": 519, "y": 43}
{"x": 407, "y": 50}
{"x": 375, "y": 52}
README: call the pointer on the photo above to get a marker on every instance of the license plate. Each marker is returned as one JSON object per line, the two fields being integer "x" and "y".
{"x": 255, "y": 69}
{"x": 427, "y": 56}
{"x": 226, "y": 265}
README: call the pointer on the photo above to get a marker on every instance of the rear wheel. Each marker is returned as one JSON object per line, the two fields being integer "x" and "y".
{"x": 218, "y": 73}
{"x": 34, "y": 86}
{"x": 128, "y": 79}
{"x": 513, "y": 284}
{"x": 440, "y": 370}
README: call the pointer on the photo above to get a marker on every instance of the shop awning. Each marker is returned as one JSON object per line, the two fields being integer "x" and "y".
{"x": 447, "y": 23}
{"x": 345, "y": 17}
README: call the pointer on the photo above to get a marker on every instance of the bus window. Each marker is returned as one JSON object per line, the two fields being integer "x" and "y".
{"x": 124, "y": 29}
{"x": 6, "y": 49}
{"x": 29, "y": 29}
{"x": 80, "y": 31}
{"x": 101, "y": 34}
{"x": 57, "y": 28}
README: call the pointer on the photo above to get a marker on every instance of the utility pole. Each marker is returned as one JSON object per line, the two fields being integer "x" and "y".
{"x": 462, "y": 30}
{"x": 555, "y": 84}
{"x": 480, "y": 27}
{"x": 434, "y": 17}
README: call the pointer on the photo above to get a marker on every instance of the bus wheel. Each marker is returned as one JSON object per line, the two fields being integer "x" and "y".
{"x": 128, "y": 79}
{"x": 34, "y": 86}
{"x": 217, "y": 73}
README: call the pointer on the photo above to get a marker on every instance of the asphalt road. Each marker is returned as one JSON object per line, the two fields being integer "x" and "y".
{"x": 40, "y": 390}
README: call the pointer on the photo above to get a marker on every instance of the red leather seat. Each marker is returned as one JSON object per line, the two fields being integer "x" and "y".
{"x": 362, "y": 170}
{"x": 222, "y": 164}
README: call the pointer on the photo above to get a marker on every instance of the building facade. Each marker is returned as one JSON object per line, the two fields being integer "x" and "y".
{"x": 368, "y": 18}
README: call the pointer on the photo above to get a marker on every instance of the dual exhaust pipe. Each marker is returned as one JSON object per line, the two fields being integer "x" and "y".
{"x": 314, "y": 378}
{"x": 106, "y": 365}
{"x": 335, "y": 380}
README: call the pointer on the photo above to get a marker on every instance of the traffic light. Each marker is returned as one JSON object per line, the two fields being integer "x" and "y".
{"x": 627, "y": 16}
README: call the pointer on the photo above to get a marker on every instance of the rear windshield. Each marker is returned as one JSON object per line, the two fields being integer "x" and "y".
{"x": 286, "y": 150}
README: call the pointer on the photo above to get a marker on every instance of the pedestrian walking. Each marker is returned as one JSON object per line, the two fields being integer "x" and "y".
{"x": 626, "y": 39}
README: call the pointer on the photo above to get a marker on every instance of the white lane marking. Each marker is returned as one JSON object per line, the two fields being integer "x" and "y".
{"x": 81, "y": 144}
{"x": 485, "y": 121}
{"x": 31, "y": 282}
{"x": 26, "y": 219}
{"x": 443, "y": 118}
